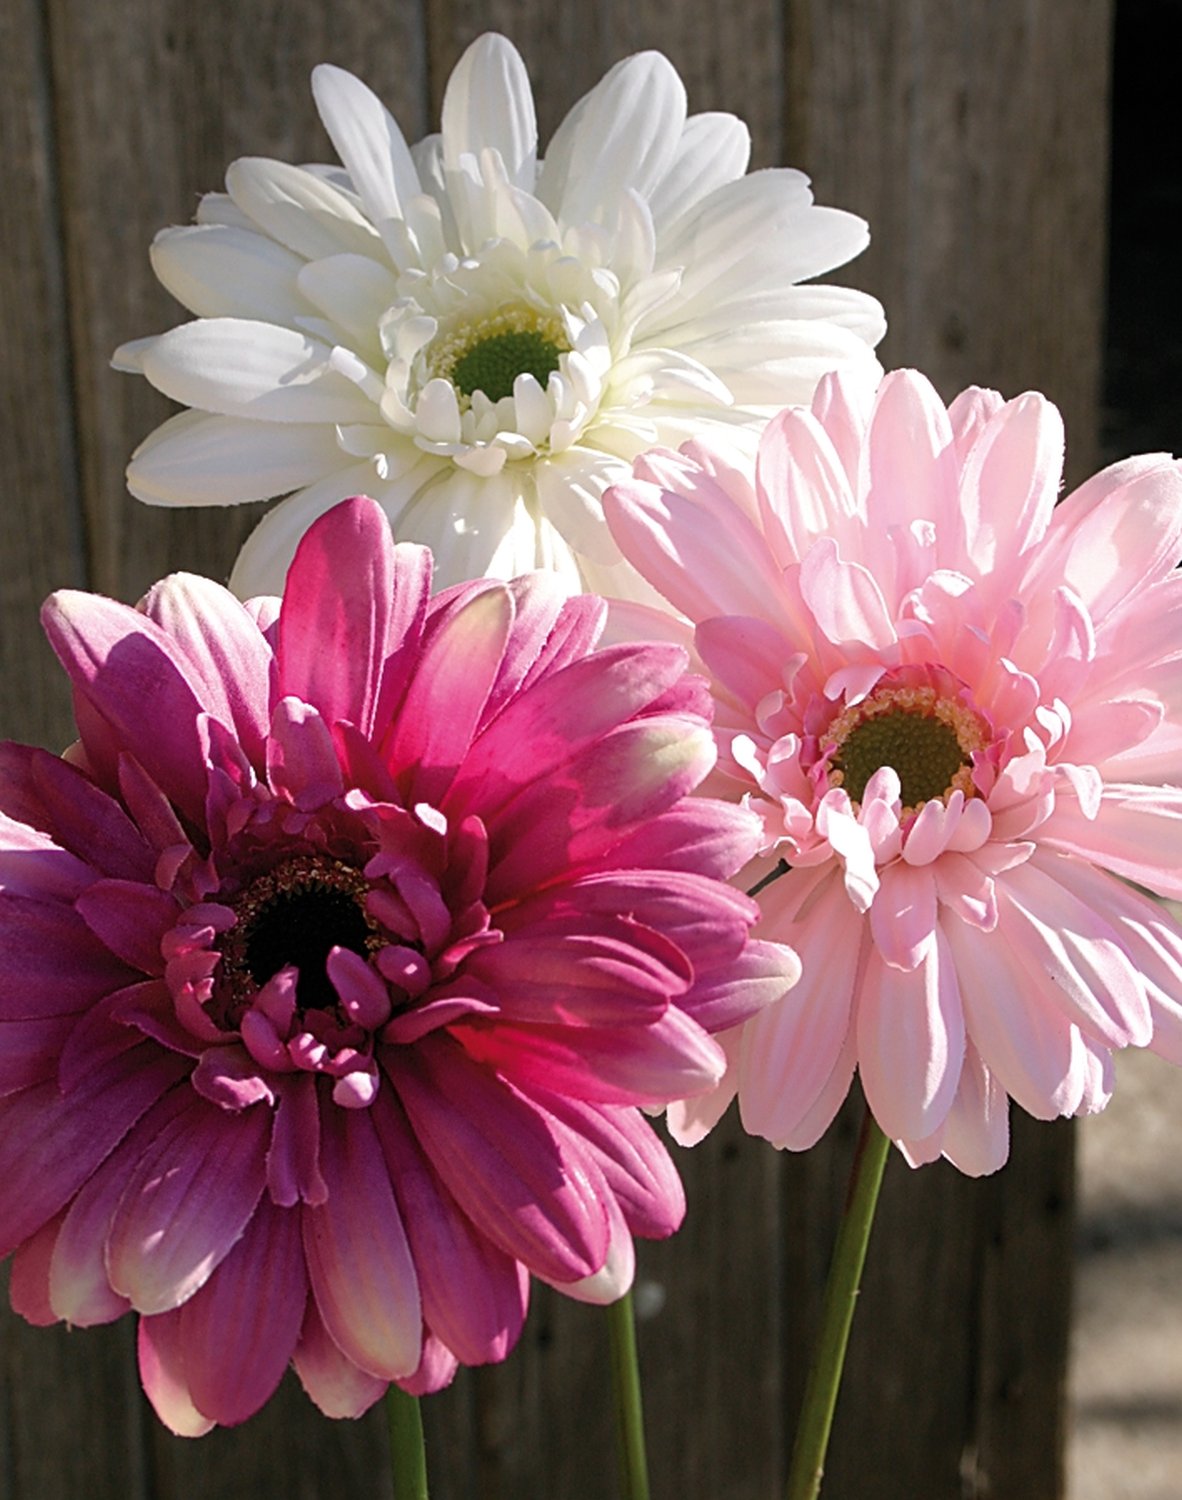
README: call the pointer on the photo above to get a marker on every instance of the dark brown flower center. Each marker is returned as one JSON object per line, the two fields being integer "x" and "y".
{"x": 293, "y": 916}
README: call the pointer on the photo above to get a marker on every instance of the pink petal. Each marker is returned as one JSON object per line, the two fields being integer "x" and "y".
{"x": 190, "y": 1197}
{"x": 301, "y": 756}
{"x": 903, "y": 918}
{"x": 910, "y": 458}
{"x": 790, "y": 1050}
{"x": 1135, "y": 834}
{"x": 1011, "y": 481}
{"x": 1023, "y": 1038}
{"x": 335, "y": 626}
{"x": 363, "y": 1276}
{"x": 503, "y": 1162}
{"x": 1050, "y": 928}
{"x": 977, "y": 1130}
{"x": 911, "y": 1041}
{"x": 239, "y": 1331}
{"x": 803, "y": 489}
{"x": 845, "y": 599}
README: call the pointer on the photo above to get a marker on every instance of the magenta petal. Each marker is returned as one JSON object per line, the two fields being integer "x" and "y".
{"x": 50, "y": 1145}
{"x": 29, "y": 1050}
{"x": 629, "y": 777}
{"x": 333, "y": 1382}
{"x": 437, "y": 1369}
{"x": 239, "y": 1331}
{"x": 293, "y": 1162}
{"x": 51, "y": 964}
{"x": 119, "y": 661}
{"x": 474, "y": 1296}
{"x": 187, "y": 1202}
{"x": 301, "y": 757}
{"x": 758, "y": 977}
{"x": 88, "y": 822}
{"x": 28, "y": 1282}
{"x": 634, "y": 1163}
{"x": 543, "y": 728}
{"x": 225, "y": 648}
{"x": 334, "y": 628}
{"x": 161, "y": 1353}
{"x": 457, "y": 667}
{"x": 605, "y": 971}
{"x": 79, "y": 1289}
{"x": 363, "y": 1277}
{"x": 501, "y": 1161}
{"x": 130, "y": 919}
{"x": 672, "y": 1058}
{"x": 32, "y": 865}
{"x": 711, "y": 838}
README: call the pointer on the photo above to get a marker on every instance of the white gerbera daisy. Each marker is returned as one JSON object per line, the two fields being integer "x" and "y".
{"x": 480, "y": 339}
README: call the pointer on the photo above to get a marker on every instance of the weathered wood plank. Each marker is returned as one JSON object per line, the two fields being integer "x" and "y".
{"x": 41, "y": 540}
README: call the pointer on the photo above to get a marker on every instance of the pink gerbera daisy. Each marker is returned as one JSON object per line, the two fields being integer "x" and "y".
{"x": 958, "y": 710}
{"x": 334, "y": 961}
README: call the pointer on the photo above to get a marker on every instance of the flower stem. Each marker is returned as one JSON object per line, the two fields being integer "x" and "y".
{"x": 629, "y": 1408}
{"x": 408, "y": 1456}
{"x": 837, "y": 1313}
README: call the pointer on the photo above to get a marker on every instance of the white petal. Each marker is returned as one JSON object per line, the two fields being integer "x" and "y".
{"x": 218, "y": 271}
{"x": 570, "y": 489}
{"x": 300, "y": 210}
{"x": 197, "y": 459}
{"x": 367, "y": 140}
{"x": 623, "y": 134}
{"x": 354, "y": 291}
{"x": 475, "y": 527}
{"x": 714, "y": 148}
{"x": 241, "y": 368}
{"x": 489, "y": 105}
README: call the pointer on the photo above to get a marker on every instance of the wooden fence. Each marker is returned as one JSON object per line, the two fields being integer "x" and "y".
{"x": 972, "y": 134}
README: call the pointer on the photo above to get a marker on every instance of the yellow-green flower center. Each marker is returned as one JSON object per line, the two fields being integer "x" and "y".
{"x": 926, "y": 737}
{"x": 490, "y": 354}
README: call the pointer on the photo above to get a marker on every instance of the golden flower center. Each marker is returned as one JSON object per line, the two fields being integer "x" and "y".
{"x": 490, "y": 354}
{"x": 293, "y": 916}
{"x": 927, "y": 737}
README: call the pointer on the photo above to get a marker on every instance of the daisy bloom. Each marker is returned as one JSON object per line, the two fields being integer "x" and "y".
{"x": 334, "y": 961}
{"x": 958, "y": 710}
{"x": 481, "y": 339}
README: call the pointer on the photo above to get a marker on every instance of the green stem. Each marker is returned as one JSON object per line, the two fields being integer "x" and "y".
{"x": 408, "y": 1455}
{"x": 837, "y": 1313}
{"x": 629, "y": 1408}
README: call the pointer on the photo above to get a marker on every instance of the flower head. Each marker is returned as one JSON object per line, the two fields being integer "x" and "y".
{"x": 334, "y": 961}
{"x": 958, "y": 710}
{"x": 481, "y": 339}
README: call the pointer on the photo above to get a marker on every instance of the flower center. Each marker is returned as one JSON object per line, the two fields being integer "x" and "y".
{"x": 293, "y": 916}
{"x": 928, "y": 738}
{"x": 488, "y": 356}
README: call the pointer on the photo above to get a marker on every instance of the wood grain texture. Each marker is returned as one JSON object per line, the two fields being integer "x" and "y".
{"x": 972, "y": 134}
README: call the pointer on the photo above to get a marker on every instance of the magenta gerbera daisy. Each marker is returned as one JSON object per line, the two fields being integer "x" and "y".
{"x": 958, "y": 710}
{"x": 335, "y": 960}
